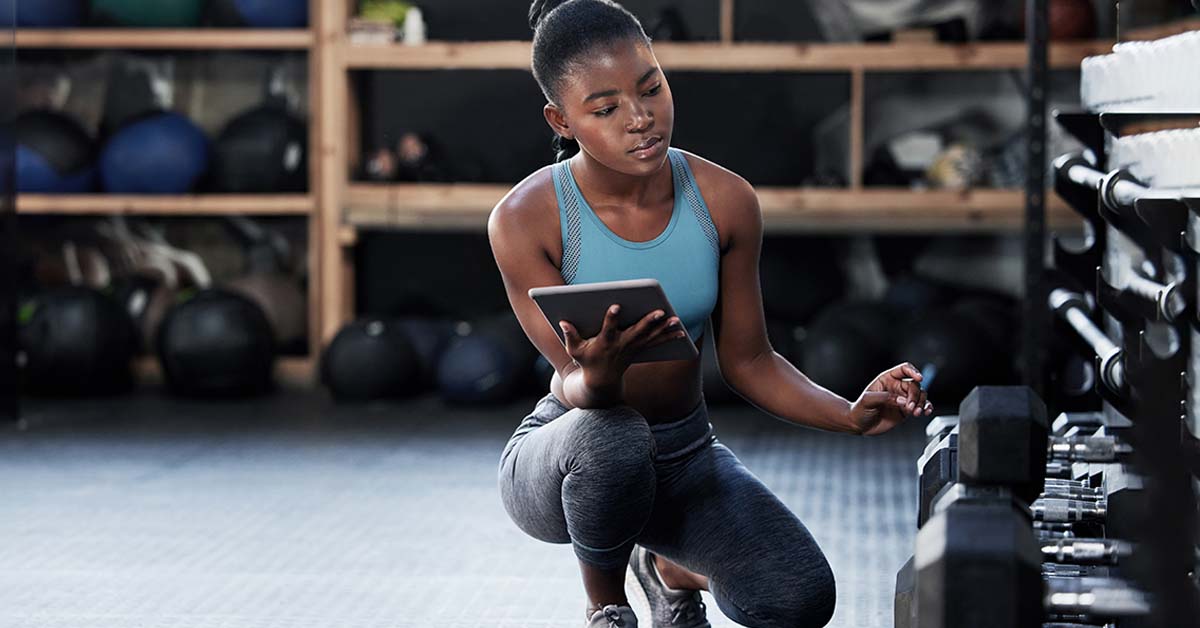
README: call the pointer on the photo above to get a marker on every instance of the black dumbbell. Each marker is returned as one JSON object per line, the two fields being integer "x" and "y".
{"x": 1000, "y": 439}
{"x": 978, "y": 564}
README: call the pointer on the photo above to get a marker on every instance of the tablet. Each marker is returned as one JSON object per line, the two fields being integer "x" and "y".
{"x": 584, "y": 306}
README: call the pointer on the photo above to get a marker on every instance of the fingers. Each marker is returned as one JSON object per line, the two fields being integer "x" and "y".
{"x": 649, "y": 324}
{"x": 571, "y": 337}
{"x": 671, "y": 330}
{"x": 608, "y": 330}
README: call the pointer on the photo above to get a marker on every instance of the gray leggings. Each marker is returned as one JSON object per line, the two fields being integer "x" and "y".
{"x": 603, "y": 480}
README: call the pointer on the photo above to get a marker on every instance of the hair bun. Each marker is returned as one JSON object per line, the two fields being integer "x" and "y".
{"x": 540, "y": 9}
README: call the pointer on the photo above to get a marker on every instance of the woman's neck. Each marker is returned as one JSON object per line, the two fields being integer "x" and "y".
{"x": 609, "y": 187}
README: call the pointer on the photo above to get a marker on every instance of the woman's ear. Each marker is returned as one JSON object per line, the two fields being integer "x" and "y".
{"x": 558, "y": 122}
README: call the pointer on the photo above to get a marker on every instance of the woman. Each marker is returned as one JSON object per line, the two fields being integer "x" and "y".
{"x": 620, "y": 460}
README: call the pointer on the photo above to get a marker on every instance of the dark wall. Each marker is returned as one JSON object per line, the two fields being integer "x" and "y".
{"x": 420, "y": 273}
{"x": 489, "y": 124}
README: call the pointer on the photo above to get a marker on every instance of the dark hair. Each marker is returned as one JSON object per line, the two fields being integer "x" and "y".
{"x": 566, "y": 30}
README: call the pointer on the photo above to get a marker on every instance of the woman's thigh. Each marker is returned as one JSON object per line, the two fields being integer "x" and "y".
{"x": 713, "y": 516}
{"x": 581, "y": 473}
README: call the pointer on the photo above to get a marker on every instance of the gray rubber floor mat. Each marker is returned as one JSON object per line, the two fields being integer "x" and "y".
{"x": 291, "y": 512}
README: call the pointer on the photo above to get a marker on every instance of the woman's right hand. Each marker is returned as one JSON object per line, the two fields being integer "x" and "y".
{"x": 605, "y": 357}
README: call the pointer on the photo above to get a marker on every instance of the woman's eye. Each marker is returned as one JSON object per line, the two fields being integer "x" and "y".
{"x": 605, "y": 111}
{"x": 654, "y": 91}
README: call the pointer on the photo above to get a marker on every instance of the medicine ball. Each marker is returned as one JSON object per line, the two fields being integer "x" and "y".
{"x": 148, "y": 13}
{"x": 260, "y": 13}
{"x": 491, "y": 364}
{"x": 42, "y": 13}
{"x": 262, "y": 150}
{"x": 216, "y": 344}
{"x": 429, "y": 337}
{"x": 55, "y": 155}
{"x": 847, "y": 347}
{"x": 370, "y": 359}
{"x": 163, "y": 153}
{"x": 76, "y": 342}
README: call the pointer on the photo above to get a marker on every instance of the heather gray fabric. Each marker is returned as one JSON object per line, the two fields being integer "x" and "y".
{"x": 603, "y": 480}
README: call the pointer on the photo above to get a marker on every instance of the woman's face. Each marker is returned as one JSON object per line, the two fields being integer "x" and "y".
{"x": 618, "y": 106}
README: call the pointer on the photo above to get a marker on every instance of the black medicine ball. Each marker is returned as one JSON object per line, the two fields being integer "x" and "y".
{"x": 371, "y": 359}
{"x": 217, "y": 344}
{"x": 76, "y": 342}
{"x": 264, "y": 150}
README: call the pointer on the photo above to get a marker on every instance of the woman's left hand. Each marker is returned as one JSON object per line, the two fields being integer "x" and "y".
{"x": 895, "y": 394}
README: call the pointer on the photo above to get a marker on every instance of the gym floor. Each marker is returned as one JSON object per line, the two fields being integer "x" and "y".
{"x": 290, "y": 511}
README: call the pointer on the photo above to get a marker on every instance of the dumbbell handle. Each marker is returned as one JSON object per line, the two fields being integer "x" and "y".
{"x": 1068, "y": 492}
{"x": 1055, "y": 510}
{"x": 1073, "y": 308}
{"x": 1086, "y": 551}
{"x": 1094, "y": 598}
{"x": 1166, "y": 297}
{"x": 1087, "y": 448}
{"x": 1117, "y": 189}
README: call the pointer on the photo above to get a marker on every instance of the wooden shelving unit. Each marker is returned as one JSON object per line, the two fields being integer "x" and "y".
{"x": 338, "y": 208}
{"x": 896, "y": 210}
{"x": 190, "y": 205}
{"x": 165, "y": 39}
{"x": 735, "y": 57}
{"x": 289, "y": 369}
{"x": 347, "y": 207}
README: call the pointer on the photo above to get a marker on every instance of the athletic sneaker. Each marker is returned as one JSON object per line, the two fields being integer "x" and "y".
{"x": 613, "y": 616}
{"x": 669, "y": 608}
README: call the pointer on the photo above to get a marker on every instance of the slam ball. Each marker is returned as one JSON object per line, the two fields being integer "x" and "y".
{"x": 55, "y": 155}
{"x": 42, "y": 13}
{"x": 261, "y": 13}
{"x": 76, "y": 342}
{"x": 217, "y": 344}
{"x": 262, "y": 150}
{"x": 163, "y": 153}
{"x": 371, "y": 359}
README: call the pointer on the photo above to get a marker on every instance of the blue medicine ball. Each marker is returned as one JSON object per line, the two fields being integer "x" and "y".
{"x": 261, "y": 13}
{"x": 42, "y": 13}
{"x": 491, "y": 364}
{"x": 164, "y": 153}
{"x": 55, "y": 155}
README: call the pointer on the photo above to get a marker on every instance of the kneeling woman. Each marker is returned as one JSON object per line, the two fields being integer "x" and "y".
{"x": 619, "y": 460}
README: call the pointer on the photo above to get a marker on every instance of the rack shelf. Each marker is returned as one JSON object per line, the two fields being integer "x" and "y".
{"x": 190, "y": 205}
{"x": 466, "y": 206}
{"x": 736, "y": 57}
{"x": 166, "y": 39}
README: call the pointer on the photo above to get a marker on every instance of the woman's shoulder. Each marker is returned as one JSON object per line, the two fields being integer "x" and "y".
{"x": 724, "y": 191}
{"x": 532, "y": 196}
{"x": 529, "y": 205}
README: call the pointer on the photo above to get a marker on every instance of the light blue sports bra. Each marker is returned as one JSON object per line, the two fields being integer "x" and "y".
{"x": 684, "y": 258}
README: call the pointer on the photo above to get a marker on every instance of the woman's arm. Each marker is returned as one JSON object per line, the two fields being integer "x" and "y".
{"x": 518, "y": 229}
{"x": 748, "y": 362}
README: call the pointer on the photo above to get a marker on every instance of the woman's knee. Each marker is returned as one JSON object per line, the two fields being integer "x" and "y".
{"x": 611, "y": 437}
{"x": 800, "y": 595}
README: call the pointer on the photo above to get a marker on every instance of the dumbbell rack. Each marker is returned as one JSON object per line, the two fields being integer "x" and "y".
{"x": 1143, "y": 382}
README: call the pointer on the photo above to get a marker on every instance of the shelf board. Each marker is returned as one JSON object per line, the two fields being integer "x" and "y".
{"x": 737, "y": 57}
{"x": 467, "y": 206}
{"x": 195, "y": 204}
{"x": 166, "y": 39}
